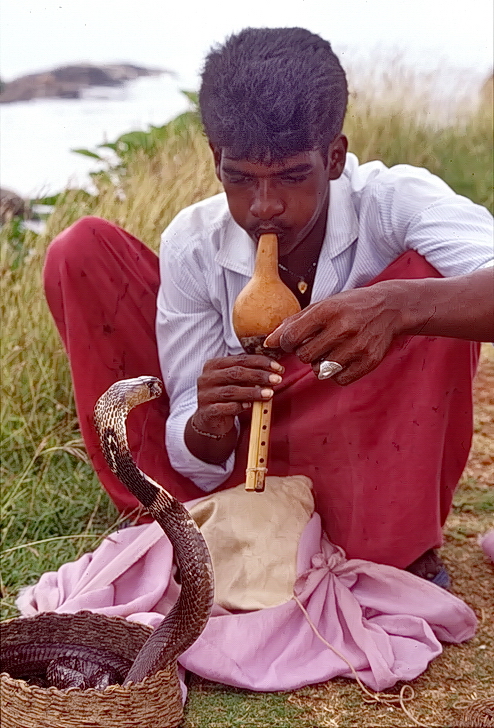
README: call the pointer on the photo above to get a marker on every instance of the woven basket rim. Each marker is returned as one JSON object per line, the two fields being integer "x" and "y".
{"x": 82, "y": 613}
{"x": 146, "y": 682}
{"x": 91, "y": 617}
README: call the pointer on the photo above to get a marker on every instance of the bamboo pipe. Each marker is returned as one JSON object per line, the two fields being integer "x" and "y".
{"x": 260, "y": 307}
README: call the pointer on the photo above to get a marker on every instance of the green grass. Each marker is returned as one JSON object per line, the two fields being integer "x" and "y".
{"x": 215, "y": 706}
{"x": 49, "y": 493}
{"x": 47, "y": 489}
{"x": 471, "y": 502}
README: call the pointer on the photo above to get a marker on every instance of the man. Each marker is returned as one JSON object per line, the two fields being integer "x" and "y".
{"x": 375, "y": 257}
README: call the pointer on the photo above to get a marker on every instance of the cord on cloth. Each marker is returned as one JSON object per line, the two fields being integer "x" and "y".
{"x": 372, "y": 697}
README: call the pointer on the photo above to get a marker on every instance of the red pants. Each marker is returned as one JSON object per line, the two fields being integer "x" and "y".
{"x": 385, "y": 453}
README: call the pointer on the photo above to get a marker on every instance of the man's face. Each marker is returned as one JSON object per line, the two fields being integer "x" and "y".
{"x": 289, "y": 198}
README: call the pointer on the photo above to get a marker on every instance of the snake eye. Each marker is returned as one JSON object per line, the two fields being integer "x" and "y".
{"x": 155, "y": 388}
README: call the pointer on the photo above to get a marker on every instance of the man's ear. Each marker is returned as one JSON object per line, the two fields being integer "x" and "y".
{"x": 337, "y": 156}
{"x": 217, "y": 159}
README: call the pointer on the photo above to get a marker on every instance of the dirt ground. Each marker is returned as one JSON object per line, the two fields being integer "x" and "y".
{"x": 481, "y": 462}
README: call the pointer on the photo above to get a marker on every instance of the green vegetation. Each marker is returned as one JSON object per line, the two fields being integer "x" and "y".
{"x": 50, "y": 493}
{"x": 211, "y": 705}
{"x": 143, "y": 143}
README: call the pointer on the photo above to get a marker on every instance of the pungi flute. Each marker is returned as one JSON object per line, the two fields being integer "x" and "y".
{"x": 260, "y": 307}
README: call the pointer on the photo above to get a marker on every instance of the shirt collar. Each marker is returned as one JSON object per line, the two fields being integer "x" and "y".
{"x": 237, "y": 251}
{"x": 342, "y": 227}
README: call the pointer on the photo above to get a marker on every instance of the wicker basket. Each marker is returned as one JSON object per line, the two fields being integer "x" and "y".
{"x": 155, "y": 702}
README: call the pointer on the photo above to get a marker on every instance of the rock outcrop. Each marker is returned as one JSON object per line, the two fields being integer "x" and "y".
{"x": 11, "y": 205}
{"x": 69, "y": 82}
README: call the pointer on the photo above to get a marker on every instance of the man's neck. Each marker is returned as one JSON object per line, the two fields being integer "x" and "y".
{"x": 302, "y": 257}
{"x": 301, "y": 263}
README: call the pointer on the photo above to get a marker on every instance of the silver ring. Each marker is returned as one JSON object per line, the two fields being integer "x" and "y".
{"x": 328, "y": 369}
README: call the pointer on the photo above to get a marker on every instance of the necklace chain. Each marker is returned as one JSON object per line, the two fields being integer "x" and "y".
{"x": 302, "y": 284}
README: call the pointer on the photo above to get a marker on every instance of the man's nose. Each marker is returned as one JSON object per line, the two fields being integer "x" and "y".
{"x": 266, "y": 203}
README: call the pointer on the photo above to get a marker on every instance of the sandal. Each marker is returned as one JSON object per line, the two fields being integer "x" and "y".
{"x": 431, "y": 567}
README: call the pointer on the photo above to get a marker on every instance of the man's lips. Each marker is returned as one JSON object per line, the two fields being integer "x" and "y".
{"x": 258, "y": 231}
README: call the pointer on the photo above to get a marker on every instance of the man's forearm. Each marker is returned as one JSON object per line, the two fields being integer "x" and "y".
{"x": 461, "y": 307}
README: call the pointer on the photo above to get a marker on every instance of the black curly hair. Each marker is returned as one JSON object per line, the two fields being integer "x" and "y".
{"x": 270, "y": 93}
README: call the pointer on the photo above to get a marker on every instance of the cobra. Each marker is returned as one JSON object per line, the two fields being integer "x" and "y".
{"x": 187, "y": 619}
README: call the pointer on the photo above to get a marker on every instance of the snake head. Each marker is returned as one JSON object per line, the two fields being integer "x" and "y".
{"x": 154, "y": 386}
{"x": 122, "y": 396}
{"x": 141, "y": 389}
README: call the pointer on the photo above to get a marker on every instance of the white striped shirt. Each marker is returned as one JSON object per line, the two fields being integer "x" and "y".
{"x": 375, "y": 214}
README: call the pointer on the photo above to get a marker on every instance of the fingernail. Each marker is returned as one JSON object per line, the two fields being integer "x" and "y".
{"x": 266, "y": 393}
{"x": 246, "y": 405}
{"x": 275, "y": 378}
{"x": 277, "y": 367}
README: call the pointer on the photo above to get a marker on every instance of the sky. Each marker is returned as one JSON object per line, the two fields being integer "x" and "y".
{"x": 41, "y": 34}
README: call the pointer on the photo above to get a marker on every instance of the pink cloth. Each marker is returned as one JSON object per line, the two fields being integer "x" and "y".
{"x": 387, "y": 622}
{"x": 487, "y": 544}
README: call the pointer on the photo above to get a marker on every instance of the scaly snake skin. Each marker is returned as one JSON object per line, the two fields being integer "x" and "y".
{"x": 187, "y": 619}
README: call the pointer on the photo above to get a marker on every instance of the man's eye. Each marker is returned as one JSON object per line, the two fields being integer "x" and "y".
{"x": 293, "y": 179}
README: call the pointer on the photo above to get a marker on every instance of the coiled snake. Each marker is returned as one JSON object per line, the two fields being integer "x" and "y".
{"x": 185, "y": 622}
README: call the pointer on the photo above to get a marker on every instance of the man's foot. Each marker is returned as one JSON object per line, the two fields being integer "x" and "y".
{"x": 431, "y": 567}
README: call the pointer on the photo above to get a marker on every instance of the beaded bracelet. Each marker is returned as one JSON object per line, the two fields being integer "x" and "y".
{"x": 207, "y": 434}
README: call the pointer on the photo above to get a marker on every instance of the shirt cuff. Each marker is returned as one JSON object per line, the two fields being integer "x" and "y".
{"x": 207, "y": 476}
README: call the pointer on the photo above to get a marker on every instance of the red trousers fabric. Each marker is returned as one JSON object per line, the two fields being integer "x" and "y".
{"x": 384, "y": 454}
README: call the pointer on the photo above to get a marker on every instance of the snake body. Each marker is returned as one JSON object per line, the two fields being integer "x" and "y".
{"x": 188, "y": 617}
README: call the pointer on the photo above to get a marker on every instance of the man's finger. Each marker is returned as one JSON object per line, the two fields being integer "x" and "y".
{"x": 317, "y": 347}
{"x": 249, "y": 361}
{"x": 293, "y": 331}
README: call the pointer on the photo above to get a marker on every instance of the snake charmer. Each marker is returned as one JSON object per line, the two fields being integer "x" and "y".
{"x": 393, "y": 272}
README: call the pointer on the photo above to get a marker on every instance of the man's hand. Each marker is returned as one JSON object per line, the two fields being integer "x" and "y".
{"x": 354, "y": 328}
{"x": 230, "y": 384}
{"x": 227, "y": 386}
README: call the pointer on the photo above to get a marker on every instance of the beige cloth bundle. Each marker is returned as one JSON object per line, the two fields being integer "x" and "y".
{"x": 253, "y": 539}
